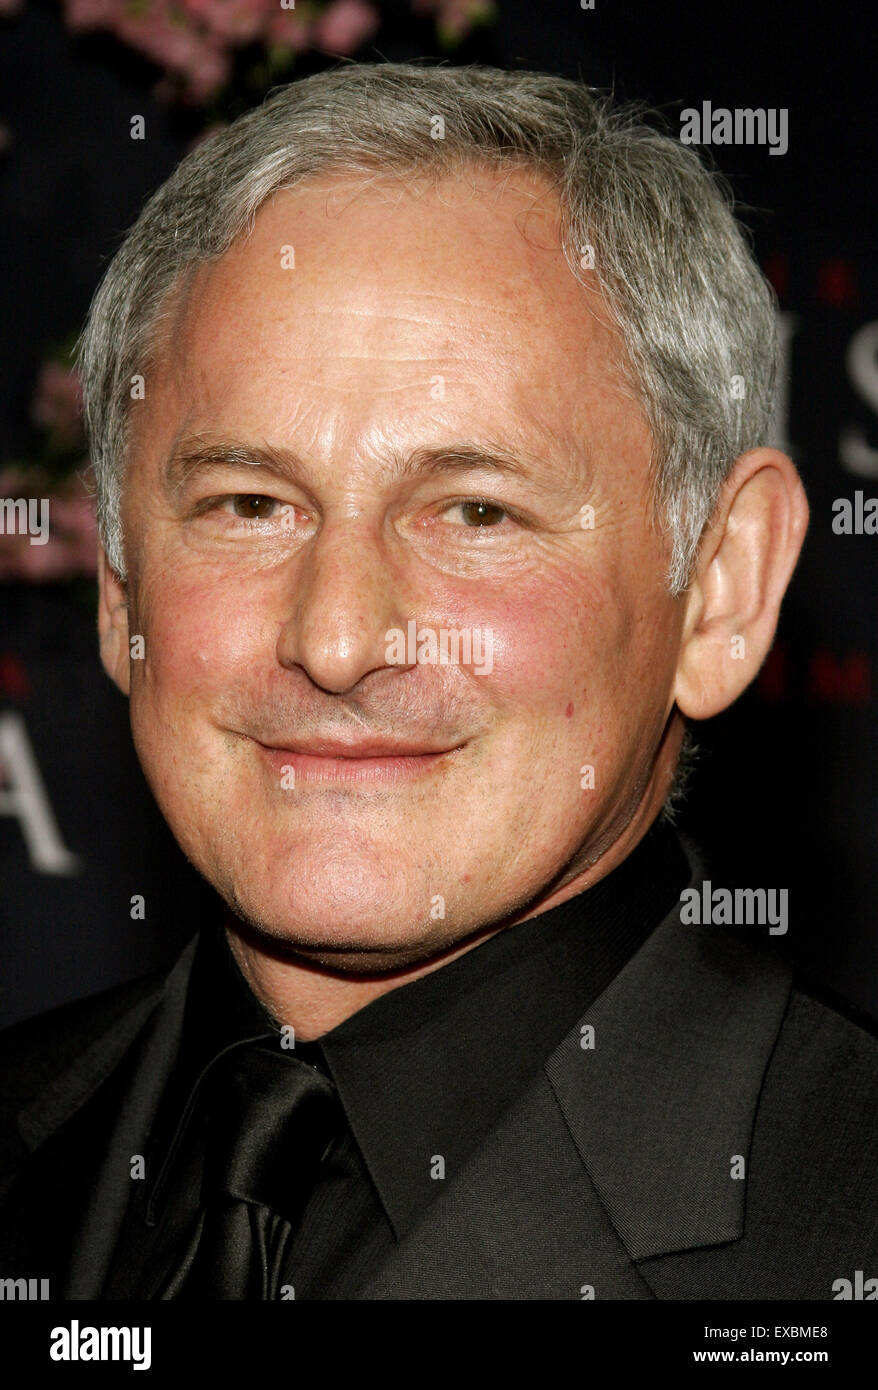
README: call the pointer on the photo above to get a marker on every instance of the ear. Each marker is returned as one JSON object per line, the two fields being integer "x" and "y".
{"x": 747, "y": 557}
{"x": 113, "y": 624}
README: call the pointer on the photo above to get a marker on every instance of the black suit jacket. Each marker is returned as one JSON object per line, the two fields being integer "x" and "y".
{"x": 610, "y": 1177}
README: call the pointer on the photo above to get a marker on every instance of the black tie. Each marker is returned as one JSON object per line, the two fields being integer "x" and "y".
{"x": 269, "y": 1119}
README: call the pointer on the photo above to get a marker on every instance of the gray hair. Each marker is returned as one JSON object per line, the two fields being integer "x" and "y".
{"x": 696, "y": 318}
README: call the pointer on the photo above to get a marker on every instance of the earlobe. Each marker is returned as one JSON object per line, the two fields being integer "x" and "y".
{"x": 746, "y": 563}
{"x": 113, "y": 624}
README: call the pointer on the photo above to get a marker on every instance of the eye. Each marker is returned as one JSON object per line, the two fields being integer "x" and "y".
{"x": 478, "y": 513}
{"x": 253, "y": 506}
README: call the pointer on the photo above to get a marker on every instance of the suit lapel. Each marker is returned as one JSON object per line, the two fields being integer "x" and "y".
{"x": 521, "y": 1221}
{"x": 662, "y": 1108}
{"x": 619, "y": 1151}
{"x": 59, "y": 1129}
{"x": 109, "y": 1198}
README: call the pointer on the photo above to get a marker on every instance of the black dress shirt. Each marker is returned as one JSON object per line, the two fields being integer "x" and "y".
{"x": 423, "y": 1073}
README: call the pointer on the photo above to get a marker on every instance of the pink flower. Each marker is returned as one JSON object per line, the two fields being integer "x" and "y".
{"x": 91, "y": 14}
{"x": 455, "y": 18}
{"x": 72, "y": 546}
{"x": 236, "y": 21}
{"x": 57, "y": 404}
{"x": 208, "y": 71}
{"x": 164, "y": 34}
{"x": 345, "y": 26}
{"x": 290, "y": 29}
{"x": 170, "y": 41}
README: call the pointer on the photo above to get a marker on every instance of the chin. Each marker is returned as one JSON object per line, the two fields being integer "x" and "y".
{"x": 319, "y": 918}
{"x": 357, "y": 949}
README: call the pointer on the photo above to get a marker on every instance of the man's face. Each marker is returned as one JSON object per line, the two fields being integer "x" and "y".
{"x": 330, "y": 400}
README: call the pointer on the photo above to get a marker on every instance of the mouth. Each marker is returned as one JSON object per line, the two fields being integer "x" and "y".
{"x": 367, "y": 762}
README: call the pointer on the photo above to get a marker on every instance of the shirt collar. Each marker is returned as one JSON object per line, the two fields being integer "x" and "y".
{"x": 424, "y": 1071}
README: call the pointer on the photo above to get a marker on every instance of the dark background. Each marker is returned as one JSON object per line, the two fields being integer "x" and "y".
{"x": 785, "y": 791}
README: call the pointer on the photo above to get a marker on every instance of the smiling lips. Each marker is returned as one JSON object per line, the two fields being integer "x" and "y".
{"x": 333, "y": 760}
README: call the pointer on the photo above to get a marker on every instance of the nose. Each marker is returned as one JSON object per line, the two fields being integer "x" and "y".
{"x": 346, "y": 595}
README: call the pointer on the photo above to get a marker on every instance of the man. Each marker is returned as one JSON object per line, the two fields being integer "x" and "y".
{"x": 428, "y": 408}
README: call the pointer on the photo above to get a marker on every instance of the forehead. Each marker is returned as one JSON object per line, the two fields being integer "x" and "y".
{"x": 361, "y": 291}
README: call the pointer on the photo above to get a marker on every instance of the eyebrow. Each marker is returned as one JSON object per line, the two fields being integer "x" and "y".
{"x": 196, "y": 455}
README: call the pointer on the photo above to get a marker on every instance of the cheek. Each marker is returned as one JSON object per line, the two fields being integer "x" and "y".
{"x": 200, "y": 636}
{"x": 557, "y": 642}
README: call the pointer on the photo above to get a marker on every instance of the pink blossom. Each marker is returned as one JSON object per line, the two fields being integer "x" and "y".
{"x": 236, "y": 21}
{"x": 455, "y": 18}
{"x": 165, "y": 35}
{"x": 170, "y": 41}
{"x": 57, "y": 403}
{"x": 291, "y": 30}
{"x": 209, "y": 70}
{"x": 91, "y": 14}
{"x": 345, "y": 26}
{"x": 72, "y": 546}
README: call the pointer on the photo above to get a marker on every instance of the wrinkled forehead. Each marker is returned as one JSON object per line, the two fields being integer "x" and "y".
{"x": 355, "y": 312}
{"x": 455, "y": 263}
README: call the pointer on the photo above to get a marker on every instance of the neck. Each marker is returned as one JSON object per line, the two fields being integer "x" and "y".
{"x": 313, "y": 997}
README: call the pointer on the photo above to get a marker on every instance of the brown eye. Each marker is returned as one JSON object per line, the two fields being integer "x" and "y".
{"x": 253, "y": 506}
{"x": 481, "y": 513}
